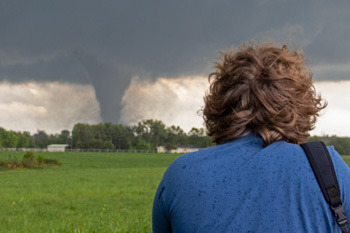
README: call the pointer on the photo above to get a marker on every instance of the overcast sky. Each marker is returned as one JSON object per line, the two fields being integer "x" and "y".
{"x": 100, "y": 46}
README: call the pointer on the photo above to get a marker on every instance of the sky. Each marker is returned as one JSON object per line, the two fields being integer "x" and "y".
{"x": 63, "y": 62}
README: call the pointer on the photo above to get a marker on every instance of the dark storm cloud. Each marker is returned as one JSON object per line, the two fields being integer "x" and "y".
{"x": 59, "y": 68}
{"x": 105, "y": 43}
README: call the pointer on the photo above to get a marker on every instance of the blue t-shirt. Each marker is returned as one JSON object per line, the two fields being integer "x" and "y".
{"x": 241, "y": 186}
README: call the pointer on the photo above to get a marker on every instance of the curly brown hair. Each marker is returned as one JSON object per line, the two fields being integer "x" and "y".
{"x": 261, "y": 88}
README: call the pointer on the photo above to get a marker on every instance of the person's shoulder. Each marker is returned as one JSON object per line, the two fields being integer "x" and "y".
{"x": 179, "y": 170}
{"x": 287, "y": 149}
{"x": 186, "y": 164}
{"x": 342, "y": 171}
{"x": 192, "y": 157}
{"x": 339, "y": 164}
{"x": 334, "y": 154}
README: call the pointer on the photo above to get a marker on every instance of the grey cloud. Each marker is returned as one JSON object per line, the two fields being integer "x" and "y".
{"x": 105, "y": 43}
{"x": 51, "y": 106}
{"x": 331, "y": 71}
{"x": 59, "y": 68}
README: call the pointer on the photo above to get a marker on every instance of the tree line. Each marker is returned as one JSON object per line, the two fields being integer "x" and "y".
{"x": 341, "y": 144}
{"x": 146, "y": 135}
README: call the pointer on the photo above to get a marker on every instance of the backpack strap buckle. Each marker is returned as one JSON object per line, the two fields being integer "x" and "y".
{"x": 341, "y": 218}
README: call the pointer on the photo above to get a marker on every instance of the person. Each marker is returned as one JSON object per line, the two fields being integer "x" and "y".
{"x": 260, "y": 106}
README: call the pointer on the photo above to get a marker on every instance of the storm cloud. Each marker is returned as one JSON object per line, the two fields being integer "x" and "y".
{"x": 32, "y": 106}
{"x": 175, "y": 101}
{"x": 106, "y": 43}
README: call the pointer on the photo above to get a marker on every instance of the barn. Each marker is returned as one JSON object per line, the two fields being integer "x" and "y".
{"x": 57, "y": 147}
{"x": 179, "y": 149}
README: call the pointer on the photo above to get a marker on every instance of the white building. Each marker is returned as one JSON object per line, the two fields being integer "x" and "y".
{"x": 179, "y": 149}
{"x": 57, "y": 147}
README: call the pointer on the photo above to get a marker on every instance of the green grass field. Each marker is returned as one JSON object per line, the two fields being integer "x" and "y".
{"x": 347, "y": 159}
{"x": 90, "y": 192}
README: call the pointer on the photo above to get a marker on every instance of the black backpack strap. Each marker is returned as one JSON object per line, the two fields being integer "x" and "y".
{"x": 322, "y": 166}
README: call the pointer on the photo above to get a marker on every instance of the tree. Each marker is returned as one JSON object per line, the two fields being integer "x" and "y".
{"x": 151, "y": 131}
{"x": 41, "y": 139}
{"x": 9, "y": 139}
{"x": 143, "y": 145}
{"x": 2, "y": 131}
{"x": 122, "y": 137}
{"x": 31, "y": 139}
{"x": 196, "y": 132}
{"x": 176, "y": 136}
{"x": 147, "y": 134}
{"x": 23, "y": 140}
{"x": 96, "y": 144}
{"x": 108, "y": 145}
{"x": 82, "y": 135}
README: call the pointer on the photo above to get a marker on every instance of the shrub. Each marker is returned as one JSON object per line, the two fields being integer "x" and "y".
{"x": 28, "y": 159}
{"x": 29, "y": 155}
{"x": 40, "y": 159}
{"x": 52, "y": 162}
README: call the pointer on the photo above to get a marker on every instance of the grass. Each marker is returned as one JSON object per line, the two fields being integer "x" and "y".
{"x": 347, "y": 159}
{"x": 90, "y": 192}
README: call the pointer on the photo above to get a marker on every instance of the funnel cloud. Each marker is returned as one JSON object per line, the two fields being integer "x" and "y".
{"x": 105, "y": 44}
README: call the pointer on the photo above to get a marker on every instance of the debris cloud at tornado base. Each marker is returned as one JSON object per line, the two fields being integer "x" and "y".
{"x": 175, "y": 101}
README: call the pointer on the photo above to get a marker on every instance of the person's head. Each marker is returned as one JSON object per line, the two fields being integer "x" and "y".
{"x": 263, "y": 89}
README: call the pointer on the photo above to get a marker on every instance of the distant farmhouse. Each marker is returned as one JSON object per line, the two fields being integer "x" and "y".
{"x": 57, "y": 147}
{"x": 179, "y": 149}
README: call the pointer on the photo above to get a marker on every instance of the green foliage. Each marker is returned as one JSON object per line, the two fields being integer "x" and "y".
{"x": 341, "y": 144}
{"x": 29, "y": 155}
{"x": 143, "y": 145}
{"x": 41, "y": 139}
{"x": 146, "y": 135}
{"x": 96, "y": 143}
{"x": 9, "y": 163}
{"x": 51, "y": 162}
{"x": 23, "y": 141}
{"x": 9, "y": 139}
{"x": 40, "y": 159}
{"x": 28, "y": 161}
{"x": 170, "y": 145}
{"x": 108, "y": 145}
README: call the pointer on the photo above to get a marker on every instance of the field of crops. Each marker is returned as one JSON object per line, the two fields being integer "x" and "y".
{"x": 90, "y": 192}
